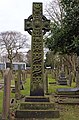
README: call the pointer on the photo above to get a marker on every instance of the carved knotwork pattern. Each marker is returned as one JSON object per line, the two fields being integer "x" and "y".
{"x": 37, "y": 48}
{"x": 37, "y": 25}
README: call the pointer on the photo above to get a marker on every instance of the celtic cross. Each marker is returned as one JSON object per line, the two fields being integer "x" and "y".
{"x": 37, "y": 25}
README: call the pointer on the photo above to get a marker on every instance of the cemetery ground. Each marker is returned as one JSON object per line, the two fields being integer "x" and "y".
{"x": 67, "y": 112}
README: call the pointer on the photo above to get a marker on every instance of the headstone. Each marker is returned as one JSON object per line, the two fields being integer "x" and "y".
{"x": 37, "y": 25}
{"x": 20, "y": 77}
{"x": 24, "y": 76}
{"x": 34, "y": 106}
{"x": 6, "y": 95}
{"x": 18, "y": 83}
{"x": 62, "y": 79}
{"x": 17, "y": 87}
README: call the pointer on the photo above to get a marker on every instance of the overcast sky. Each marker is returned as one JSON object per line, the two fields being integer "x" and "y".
{"x": 13, "y": 13}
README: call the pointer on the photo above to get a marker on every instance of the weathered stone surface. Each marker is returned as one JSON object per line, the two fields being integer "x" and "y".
{"x": 6, "y": 94}
{"x": 37, "y": 114}
{"x": 67, "y": 96}
{"x": 37, "y": 99}
{"x": 70, "y": 91}
{"x": 62, "y": 79}
{"x": 36, "y": 105}
{"x": 70, "y": 101}
{"x": 37, "y": 25}
{"x": 1, "y": 86}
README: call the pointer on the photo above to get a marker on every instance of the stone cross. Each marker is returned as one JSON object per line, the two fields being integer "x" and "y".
{"x": 37, "y": 25}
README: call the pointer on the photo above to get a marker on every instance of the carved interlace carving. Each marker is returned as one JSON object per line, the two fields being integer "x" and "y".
{"x": 37, "y": 25}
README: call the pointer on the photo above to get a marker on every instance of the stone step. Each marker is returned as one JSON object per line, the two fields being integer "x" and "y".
{"x": 36, "y": 114}
{"x": 37, "y": 99}
{"x": 36, "y": 105}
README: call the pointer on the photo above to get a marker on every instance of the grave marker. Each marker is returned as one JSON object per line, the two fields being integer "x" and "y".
{"x": 6, "y": 95}
{"x": 17, "y": 87}
{"x": 37, "y": 25}
{"x": 62, "y": 80}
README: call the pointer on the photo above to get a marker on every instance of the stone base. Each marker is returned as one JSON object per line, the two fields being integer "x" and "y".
{"x": 37, "y": 99}
{"x": 36, "y": 114}
{"x": 36, "y": 107}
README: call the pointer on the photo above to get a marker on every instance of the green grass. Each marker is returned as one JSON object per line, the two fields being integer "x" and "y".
{"x": 69, "y": 112}
{"x": 1, "y": 100}
{"x": 26, "y": 90}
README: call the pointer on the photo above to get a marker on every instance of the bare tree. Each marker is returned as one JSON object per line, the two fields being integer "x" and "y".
{"x": 11, "y": 42}
{"x": 55, "y": 11}
{"x": 19, "y": 57}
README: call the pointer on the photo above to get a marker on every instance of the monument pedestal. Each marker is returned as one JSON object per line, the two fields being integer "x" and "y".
{"x": 36, "y": 107}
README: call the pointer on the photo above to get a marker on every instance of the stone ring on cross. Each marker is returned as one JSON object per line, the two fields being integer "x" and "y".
{"x": 29, "y": 24}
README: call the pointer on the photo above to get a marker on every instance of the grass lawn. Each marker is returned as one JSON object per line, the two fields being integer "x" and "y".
{"x": 67, "y": 112}
{"x": 1, "y": 100}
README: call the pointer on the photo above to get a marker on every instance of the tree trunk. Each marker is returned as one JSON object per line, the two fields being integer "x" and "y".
{"x": 77, "y": 73}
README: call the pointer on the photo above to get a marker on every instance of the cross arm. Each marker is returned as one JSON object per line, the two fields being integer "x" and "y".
{"x": 45, "y": 25}
{"x": 28, "y": 25}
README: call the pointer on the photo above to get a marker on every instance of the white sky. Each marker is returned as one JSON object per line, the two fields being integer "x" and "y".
{"x": 13, "y": 13}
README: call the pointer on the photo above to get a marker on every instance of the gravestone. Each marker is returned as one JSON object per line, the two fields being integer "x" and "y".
{"x": 20, "y": 77}
{"x": 24, "y": 76}
{"x": 17, "y": 87}
{"x": 37, "y": 105}
{"x": 37, "y": 25}
{"x": 6, "y": 95}
{"x": 62, "y": 79}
